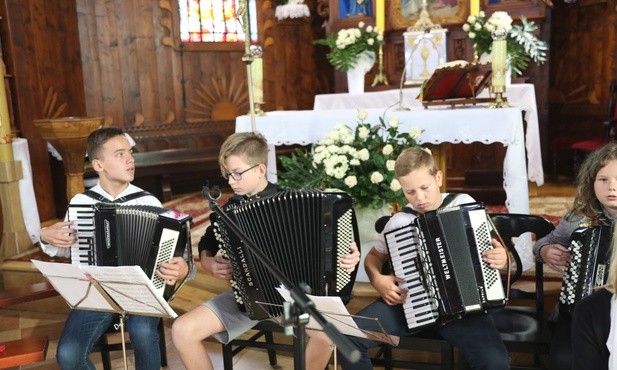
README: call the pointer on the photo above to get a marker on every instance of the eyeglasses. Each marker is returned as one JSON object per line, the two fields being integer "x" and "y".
{"x": 237, "y": 176}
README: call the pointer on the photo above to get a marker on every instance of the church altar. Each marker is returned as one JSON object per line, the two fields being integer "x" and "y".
{"x": 522, "y": 96}
{"x": 461, "y": 125}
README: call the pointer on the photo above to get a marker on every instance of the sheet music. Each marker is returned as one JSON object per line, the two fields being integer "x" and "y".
{"x": 127, "y": 286}
{"x": 333, "y": 309}
{"x": 131, "y": 289}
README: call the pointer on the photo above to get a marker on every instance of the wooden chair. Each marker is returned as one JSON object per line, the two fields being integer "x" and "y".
{"x": 104, "y": 346}
{"x": 524, "y": 329}
{"x": 263, "y": 339}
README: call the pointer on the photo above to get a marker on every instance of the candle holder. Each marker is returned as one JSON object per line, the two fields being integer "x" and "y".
{"x": 380, "y": 76}
{"x": 498, "y": 81}
{"x": 257, "y": 79}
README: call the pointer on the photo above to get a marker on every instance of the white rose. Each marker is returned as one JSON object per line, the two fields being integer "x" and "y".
{"x": 477, "y": 27}
{"x": 466, "y": 27}
{"x": 376, "y": 177}
{"x": 481, "y": 14}
{"x": 415, "y": 132}
{"x": 471, "y": 19}
{"x": 390, "y": 164}
{"x": 361, "y": 24}
{"x": 393, "y": 122}
{"x": 362, "y": 114}
{"x": 472, "y": 35}
{"x": 369, "y": 28}
{"x": 354, "y": 162}
{"x": 363, "y": 132}
{"x": 370, "y": 42}
{"x": 351, "y": 181}
{"x": 395, "y": 185}
{"x": 364, "y": 154}
{"x": 380, "y": 37}
{"x": 387, "y": 150}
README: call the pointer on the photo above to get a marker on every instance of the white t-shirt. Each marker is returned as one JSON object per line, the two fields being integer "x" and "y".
{"x": 147, "y": 200}
{"x": 401, "y": 219}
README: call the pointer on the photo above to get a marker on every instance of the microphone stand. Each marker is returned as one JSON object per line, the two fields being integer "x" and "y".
{"x": 296, "y": 313}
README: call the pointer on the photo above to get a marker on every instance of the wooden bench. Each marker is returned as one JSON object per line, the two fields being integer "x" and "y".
{"x": 158, "y": 171}
{"x": 26, "y": 350}
{"x": 23, "y": 351}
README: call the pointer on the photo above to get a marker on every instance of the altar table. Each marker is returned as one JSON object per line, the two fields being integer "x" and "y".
{"x": 522, "y": 96}
{"x": 461, "y": 125}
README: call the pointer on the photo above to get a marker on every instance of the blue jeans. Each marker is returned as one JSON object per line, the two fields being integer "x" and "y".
{"x": 83, "y": 328}
{"x": 475, "y": 336}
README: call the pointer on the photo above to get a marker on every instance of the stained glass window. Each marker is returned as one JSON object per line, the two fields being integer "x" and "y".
{"x": 214, "y": 21}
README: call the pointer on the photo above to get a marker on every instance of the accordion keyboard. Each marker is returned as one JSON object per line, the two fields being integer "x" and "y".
{"x": 419, "y": 307}
{"x": 82, "y": 252}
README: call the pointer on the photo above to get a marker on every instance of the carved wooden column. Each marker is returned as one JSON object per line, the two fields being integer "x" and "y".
{"x": 68, "y": 135}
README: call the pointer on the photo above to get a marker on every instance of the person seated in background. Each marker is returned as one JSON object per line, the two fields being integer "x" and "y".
{"x": 594, "y": 208}
{"x": 110, "y": 155}
{"x": 242, "y": 158}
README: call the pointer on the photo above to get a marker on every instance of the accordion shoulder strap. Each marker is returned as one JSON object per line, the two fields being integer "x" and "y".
{"x": 124, "y": 199}
{"x": 446, "y": 201}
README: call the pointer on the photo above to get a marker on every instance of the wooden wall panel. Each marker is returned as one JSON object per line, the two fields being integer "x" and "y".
{"x": 41, "y": 51}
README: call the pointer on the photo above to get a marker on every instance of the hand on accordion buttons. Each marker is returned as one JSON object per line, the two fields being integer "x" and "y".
{"x": 59, "y": 234}
{"x": 555, "y": 256}
{"x": 496, "y": 257}
{"x": 174, "y": 270}
{"x": 218, "y": 267}
{"x": 349, "y": 261}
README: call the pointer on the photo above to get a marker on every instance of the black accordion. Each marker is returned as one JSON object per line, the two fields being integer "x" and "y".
{"x": 439, "y": 255}
{"x": 588, "y": 266}
{"x": 303, "y": 232}
{"x": 129, "y": 235}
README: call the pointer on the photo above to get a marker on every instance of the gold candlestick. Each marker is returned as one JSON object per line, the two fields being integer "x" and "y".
{"x": 380, "y": 76}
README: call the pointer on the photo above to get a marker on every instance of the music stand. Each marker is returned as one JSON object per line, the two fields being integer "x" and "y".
{"x": 116, "y": 289}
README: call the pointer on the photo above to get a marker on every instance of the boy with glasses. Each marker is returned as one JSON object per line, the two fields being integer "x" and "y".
{"x": 242, "y": 158}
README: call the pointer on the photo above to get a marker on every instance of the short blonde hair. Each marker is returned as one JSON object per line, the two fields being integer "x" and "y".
{"x": 413, "y": 158}
{"x": 252, "y": 147}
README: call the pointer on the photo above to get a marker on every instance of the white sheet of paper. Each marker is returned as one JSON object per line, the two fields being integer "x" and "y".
{"x": 333, "y": 309}
{"x": 128, "y": 286}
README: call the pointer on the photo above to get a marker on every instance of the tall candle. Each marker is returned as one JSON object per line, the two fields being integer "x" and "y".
{"x": 474, "y": 7}
{"x": 499, "y": 59}
{"x": 6, "y": 140}
{"x": 380, "y": 14}
{"x": 258, "y": 80}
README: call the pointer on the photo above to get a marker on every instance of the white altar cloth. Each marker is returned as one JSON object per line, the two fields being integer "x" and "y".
{"x": 26, "y": 190}
{"x": 462, "y": 125}
{"x": 519, "y": 95}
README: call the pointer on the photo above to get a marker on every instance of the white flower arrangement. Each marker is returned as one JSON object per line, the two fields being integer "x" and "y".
{"x": 359, "y": 161}
{"x": 522, "y": 45}
{"x": 349, "y": 45}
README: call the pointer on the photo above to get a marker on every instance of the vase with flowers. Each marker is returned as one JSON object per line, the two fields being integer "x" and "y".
{"x": 353, "y": 50}
{"x": 522, "y": 45}
{"x": 359, "y": 161}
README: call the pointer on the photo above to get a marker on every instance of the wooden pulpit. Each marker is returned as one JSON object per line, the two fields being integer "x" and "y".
{"x": 69, "y": 136}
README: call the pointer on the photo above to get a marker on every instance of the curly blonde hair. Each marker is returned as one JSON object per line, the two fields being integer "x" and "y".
{"x": 585, "y": 201}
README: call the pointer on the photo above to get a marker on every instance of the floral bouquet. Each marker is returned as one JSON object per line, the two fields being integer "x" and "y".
{"x": 359, "y": 161}
{"x": 522, "y": 45}
{"x": 348, "y": 47}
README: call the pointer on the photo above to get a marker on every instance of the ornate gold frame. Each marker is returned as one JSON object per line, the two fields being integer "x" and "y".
{"x": 395, "y": 14}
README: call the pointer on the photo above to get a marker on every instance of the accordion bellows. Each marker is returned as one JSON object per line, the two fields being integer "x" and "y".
{"x": 303, "y": 233}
